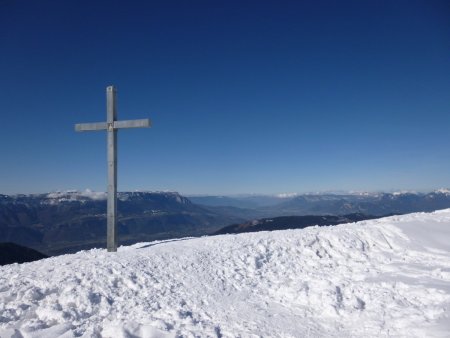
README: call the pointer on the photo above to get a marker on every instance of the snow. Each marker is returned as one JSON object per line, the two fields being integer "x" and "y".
{"x": 287, "y": 195}
{"x": 442, "y": 191}
{"x": 385, "y": 277}
{"x": 57, "y": 197}
{"x": 404, "y": 192}
{"x": 74, "y": 195}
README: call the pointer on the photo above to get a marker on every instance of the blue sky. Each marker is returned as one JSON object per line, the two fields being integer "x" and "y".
{"x": 245, "y": 96}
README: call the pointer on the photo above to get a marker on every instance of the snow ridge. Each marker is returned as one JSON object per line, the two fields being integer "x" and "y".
{"x": 385, "y": 277}
{"x": 68, "y": 196}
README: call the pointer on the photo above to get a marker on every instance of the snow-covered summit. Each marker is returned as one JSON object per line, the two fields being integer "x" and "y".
{"x": 287, "y": 195}
{"x": 442, "y": 191}
{"x": 404, "y": 192}
{"x": 385, "y": 277}
{"x": 74, "y": 195}
{"x": 67, "y": 196}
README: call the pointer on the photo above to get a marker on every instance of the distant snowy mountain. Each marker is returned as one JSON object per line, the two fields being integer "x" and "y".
{"x": 388, "y": 277}
{"x": 87, "y": 195}
{"x": 69, "y": 221}
{"x": 378, "y": 204}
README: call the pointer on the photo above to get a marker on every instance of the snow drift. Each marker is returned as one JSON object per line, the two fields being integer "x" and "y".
{"x": 386, "y": 277}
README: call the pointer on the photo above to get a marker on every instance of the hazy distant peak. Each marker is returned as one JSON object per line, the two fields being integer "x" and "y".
{"x": 442, "y": 191}
{"x": 287, "y": 195}
{"x": 171, "y": 195}
{"x": 404, "y": 192}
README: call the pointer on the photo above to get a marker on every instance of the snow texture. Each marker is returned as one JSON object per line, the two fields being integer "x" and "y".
{"x": 377, "y": 278}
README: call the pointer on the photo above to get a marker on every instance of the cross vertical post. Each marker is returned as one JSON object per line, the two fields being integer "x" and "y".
{"x": 111, "y": 112}
{"x": 111, "y": 126}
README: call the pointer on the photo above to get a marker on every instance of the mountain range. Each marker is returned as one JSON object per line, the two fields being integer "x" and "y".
{"x": 62, "y": 222}
{"x": 377, "y": 204}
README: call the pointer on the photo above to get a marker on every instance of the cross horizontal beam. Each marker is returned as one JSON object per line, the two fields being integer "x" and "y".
{"x": 143, "y": 123}
{"x": 91, "y": 126}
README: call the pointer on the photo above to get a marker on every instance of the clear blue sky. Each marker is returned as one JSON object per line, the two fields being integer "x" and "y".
{"x": 245, "y": 96}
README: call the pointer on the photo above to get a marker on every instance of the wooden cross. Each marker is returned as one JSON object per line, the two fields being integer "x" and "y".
{"x": 111, "y": 126}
